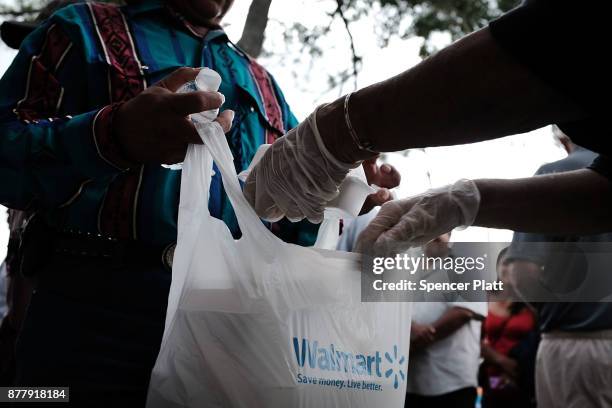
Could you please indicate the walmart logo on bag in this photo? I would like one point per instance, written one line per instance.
(329, 358)
(399, 371)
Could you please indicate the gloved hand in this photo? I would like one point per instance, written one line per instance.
(296, 177)
(414, 221)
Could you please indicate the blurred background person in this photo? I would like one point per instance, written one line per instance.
(444, 345)
(18, 291)
(508, 348)
(574, 359)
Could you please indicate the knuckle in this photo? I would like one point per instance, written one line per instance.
(197, 102)
(211, 99)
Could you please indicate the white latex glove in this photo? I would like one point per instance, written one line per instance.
(296, 177)
(414, 221)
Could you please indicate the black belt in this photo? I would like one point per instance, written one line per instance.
(39, 242)
(117, 251)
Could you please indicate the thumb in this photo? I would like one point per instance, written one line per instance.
(405, 233)
(388, 216)
(177, 78)
(193, 102)
(370, 169)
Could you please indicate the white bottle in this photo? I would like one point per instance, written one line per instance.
(353, 192)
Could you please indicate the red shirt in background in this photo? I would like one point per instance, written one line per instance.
(503, 333)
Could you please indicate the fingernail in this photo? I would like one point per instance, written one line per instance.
(222, 97)
(384, 194)
(385, 168)
(232, 114)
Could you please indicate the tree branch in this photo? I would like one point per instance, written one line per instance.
(355, 58)
(252, 38)
(18, 13)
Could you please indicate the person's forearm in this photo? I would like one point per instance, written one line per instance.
(576, 202)
(450, 322)
(470, 91)
(489, 354)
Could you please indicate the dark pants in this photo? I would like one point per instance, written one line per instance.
(95, 327)
(463, 398)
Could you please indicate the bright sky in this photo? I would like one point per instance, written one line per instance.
(305, 87)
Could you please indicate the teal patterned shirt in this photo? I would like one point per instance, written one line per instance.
(58, 155)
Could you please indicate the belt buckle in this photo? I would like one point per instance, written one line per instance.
(167, 257)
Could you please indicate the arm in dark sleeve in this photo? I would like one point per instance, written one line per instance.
(530, 246)
(562, 42)
(51, 142)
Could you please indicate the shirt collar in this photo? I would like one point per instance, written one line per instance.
(214, 34)
(145, 6)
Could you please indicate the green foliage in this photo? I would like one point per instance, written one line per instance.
(393, 19)
(424, 18)
(22, 9)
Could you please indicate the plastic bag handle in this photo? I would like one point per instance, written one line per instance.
(215, 142)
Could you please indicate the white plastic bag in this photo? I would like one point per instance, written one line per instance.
(257, 322)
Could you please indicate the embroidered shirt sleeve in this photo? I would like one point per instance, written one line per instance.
(48, 152)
